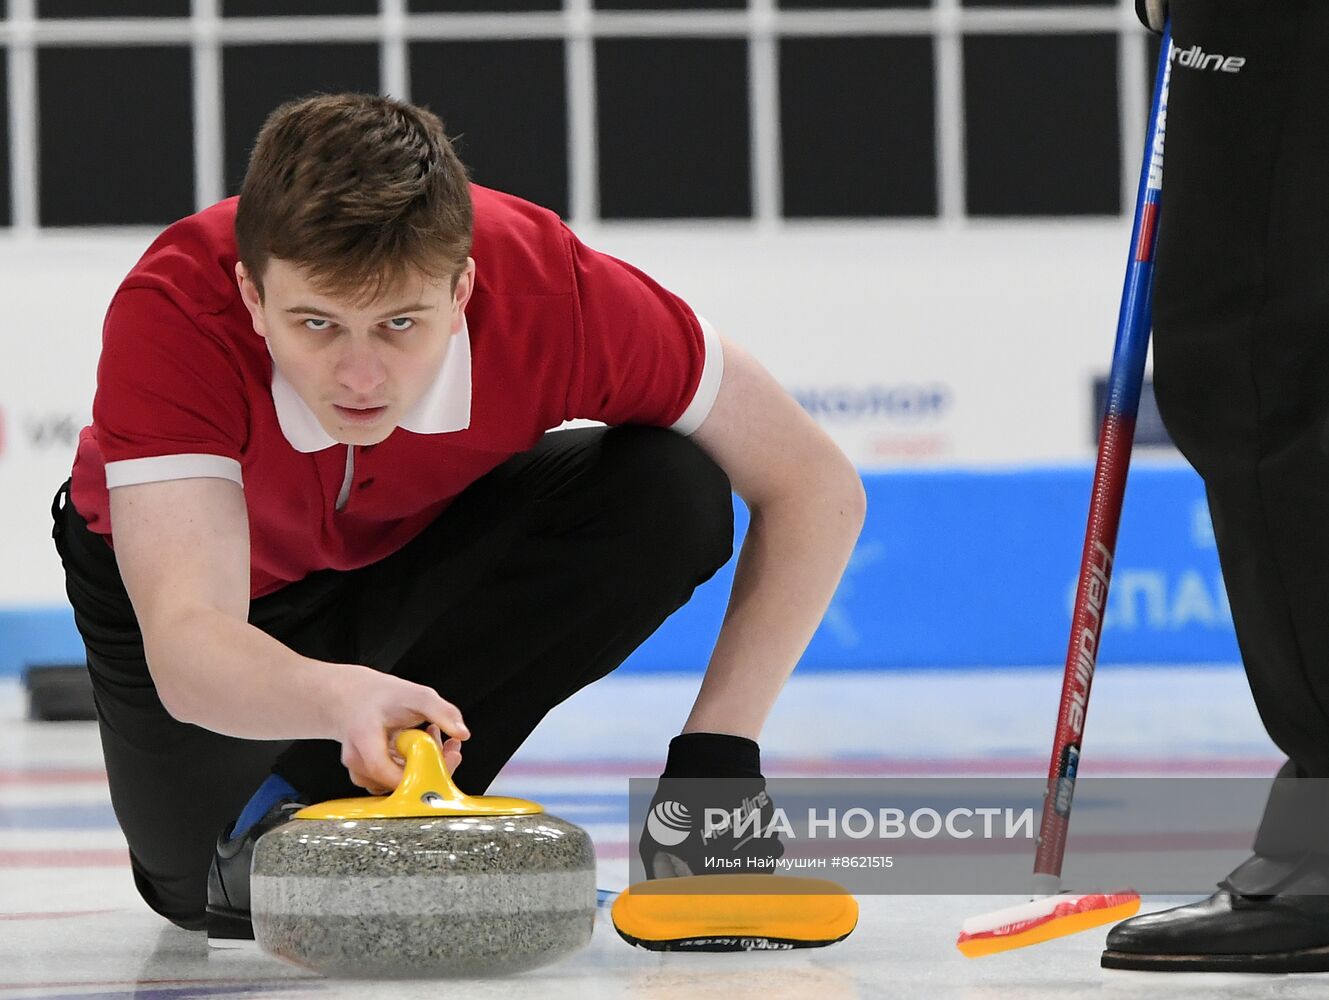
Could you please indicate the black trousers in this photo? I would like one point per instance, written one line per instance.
(1241, 355)
(541, 578)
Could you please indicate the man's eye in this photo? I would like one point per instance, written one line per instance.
(318, 325)
(400, 324)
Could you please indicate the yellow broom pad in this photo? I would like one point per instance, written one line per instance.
(734, 913)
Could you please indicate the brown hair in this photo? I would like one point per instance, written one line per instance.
(356, 190)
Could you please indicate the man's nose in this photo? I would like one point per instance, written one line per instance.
(361, 370)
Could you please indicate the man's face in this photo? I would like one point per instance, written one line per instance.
(359, 367)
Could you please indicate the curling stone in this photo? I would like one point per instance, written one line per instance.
(426, 881)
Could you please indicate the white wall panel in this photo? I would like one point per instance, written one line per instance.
(997, 331)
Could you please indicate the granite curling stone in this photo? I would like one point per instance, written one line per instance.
(425, 882)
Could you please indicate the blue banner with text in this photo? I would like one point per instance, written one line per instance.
(978, 568)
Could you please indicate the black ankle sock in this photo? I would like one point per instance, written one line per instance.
(712, 755)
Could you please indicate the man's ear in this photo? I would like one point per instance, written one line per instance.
(252, 298)
(461, 293)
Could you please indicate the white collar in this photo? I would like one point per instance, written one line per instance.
(445, 406)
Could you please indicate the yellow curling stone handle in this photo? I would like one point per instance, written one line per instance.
(425, 790)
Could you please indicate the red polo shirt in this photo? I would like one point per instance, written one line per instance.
(554, 331)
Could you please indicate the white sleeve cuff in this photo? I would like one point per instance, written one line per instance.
(708, 387)
(161, 468)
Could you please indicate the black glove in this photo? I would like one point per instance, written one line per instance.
(1152, 14)
(706, 772)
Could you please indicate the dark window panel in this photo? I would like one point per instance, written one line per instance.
(505, 103)
(858, 127)
(257, 78)
(6, 209)
(673, 128)
(1041, 125)
(851, 4)
(670, 4)
(116, 135)
(479, 6)
(112, 8)
(278, 8)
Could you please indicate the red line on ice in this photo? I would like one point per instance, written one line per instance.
(115, 857)
(52, 775)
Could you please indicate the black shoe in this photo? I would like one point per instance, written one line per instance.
(228, 879)
(1283, 930)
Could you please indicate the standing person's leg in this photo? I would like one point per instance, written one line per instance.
(604, 534)
(1241, 302)
(1241, 357)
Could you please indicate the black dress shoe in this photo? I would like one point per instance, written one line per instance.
(1234, 931)
(228, 879)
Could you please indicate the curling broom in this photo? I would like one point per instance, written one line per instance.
(1053, 914)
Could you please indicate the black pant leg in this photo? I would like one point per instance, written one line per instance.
(628, 525)
(173, 786)
(1241, 305)
(544, 577)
